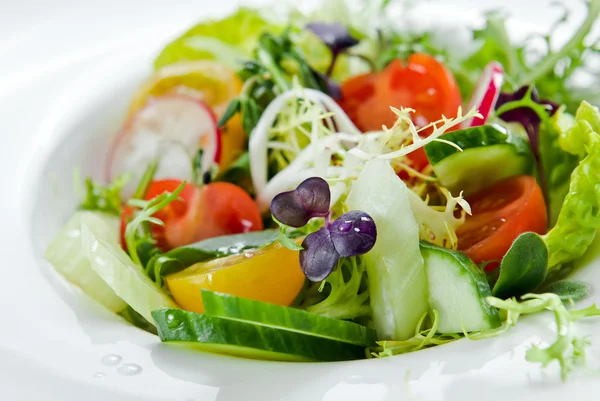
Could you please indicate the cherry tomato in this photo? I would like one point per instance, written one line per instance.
(271, 274)
(500, 214)
(423, 84)
(209, 211)
(216, 209)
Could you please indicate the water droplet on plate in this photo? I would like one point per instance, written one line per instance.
(129, 369)
(111, 360)
(99, 375)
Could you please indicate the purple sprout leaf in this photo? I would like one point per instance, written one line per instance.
(319, 257)
(353, 233)
(334, 35)
(338, 39)
(525, 107)
(310, 199)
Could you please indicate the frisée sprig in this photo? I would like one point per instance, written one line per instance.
(276, 62)
(103, 198)
(138, 229)
(568, 349)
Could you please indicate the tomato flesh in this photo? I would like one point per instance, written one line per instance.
(209, 211)
(499, 215)
(422, 84)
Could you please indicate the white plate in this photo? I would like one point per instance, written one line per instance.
(67, 71)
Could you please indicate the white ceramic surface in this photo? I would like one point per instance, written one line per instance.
(67, 70)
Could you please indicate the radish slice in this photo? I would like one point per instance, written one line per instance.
(486, 93)
(170, 128)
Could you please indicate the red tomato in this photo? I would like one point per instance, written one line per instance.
(500, 214)
(423, 84)
(210, 211)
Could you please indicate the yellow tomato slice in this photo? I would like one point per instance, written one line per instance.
(213, 83)
(271, 274)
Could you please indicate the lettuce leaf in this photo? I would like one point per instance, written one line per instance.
(229, 40)
(395, 270)
(558, 164)
(579, 218)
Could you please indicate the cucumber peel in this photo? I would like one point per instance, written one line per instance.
(490, 153)
(240, 338)
(286, 318)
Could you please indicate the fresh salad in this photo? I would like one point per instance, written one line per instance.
(332, 186)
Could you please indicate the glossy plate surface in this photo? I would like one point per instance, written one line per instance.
(67, 72)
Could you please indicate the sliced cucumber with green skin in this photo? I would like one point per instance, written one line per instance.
(490, 154)
(215, 334)
(457, 290)
(286, 318)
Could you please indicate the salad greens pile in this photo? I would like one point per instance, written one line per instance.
(315, 188)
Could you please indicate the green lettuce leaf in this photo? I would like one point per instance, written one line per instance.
(579, 218)
(558, 164)
(229, 40)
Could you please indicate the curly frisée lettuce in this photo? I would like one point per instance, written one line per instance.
(343, 294)
(579, 218)
(228, 40)
(568, 349)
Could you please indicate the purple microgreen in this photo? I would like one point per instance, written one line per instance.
(310, 199)
(319, 257)
(525, 107)
(336, 37)
(353, 233)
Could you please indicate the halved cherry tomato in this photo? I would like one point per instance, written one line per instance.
(209, 211)
(423, 84)
(271, 274)
(500, 214)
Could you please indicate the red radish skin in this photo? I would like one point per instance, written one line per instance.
(167, 122)
(486, 93)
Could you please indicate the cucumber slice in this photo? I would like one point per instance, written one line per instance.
(490, 154)
(70, 258)
(215, 334)
(286, 318)
(457, 290)
(125, 278)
